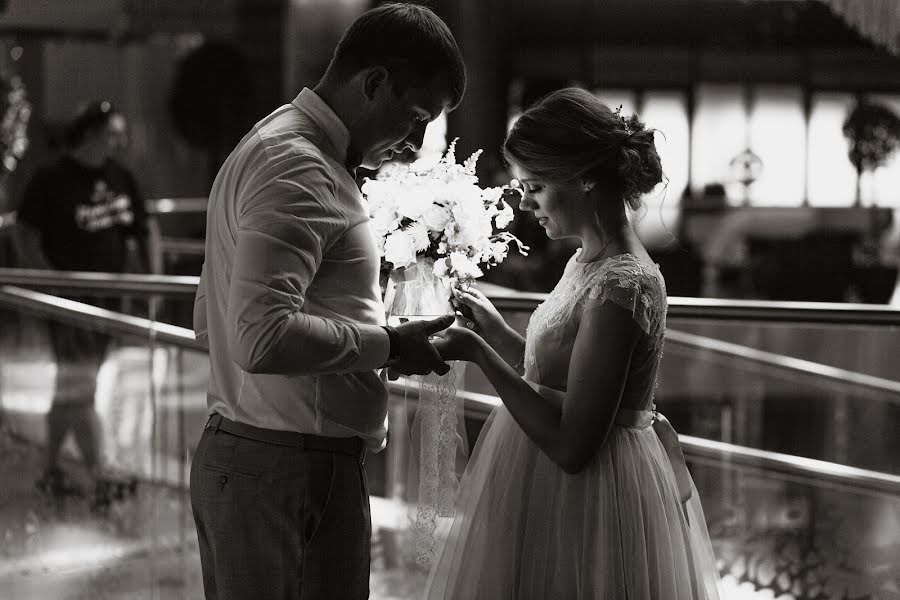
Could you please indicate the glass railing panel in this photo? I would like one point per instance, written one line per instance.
(152, 399)
(794, 407)
(783, 536)
(125, 530)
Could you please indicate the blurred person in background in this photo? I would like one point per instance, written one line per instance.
(82, 212)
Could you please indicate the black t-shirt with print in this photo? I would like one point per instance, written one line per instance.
(84, 214)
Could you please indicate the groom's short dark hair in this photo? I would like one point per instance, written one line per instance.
(412, 42)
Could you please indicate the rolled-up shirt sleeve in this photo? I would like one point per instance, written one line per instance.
(285, 226)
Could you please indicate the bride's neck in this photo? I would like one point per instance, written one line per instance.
(616, 237)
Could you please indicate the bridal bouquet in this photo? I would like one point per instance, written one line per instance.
(433, 214)
(436, 228)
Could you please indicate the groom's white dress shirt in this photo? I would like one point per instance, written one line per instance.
(289, 301)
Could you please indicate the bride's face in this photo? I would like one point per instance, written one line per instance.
(559, 208)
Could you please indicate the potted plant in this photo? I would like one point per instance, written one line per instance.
(873, 135)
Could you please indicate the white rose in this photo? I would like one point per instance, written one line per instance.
(399, 249)
(436, 217)
(384, 221)
(410, 204)
(441, 268)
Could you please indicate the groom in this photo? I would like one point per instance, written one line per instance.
(290, 306)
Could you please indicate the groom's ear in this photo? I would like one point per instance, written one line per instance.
(374, 80)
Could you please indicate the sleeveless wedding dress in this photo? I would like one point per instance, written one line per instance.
(621, 529)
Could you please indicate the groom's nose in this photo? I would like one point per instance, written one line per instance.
(414, 140)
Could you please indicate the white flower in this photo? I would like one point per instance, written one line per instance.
(436, 217)
(411, 204)
(498, 252)
(445, 215)
(504, 217)
(424, 165)
(492, 195)
(384, 221)
(441, 268)
(463, 266)
(418, 233)
(399, 249)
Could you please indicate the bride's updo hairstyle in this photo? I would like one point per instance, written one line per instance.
(570, 135)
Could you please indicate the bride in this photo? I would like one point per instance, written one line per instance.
(577, 487)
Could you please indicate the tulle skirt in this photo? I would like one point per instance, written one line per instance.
(525, 529)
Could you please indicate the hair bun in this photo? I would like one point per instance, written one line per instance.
(640, 168)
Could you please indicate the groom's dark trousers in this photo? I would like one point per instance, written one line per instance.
(280, 514)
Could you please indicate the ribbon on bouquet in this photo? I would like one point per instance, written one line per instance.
(437, 433)
(437, 436)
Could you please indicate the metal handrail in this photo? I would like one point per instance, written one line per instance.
(186, 285)
(164, 206)
(101, 283)
(700, 449)
(679, 307)
(182, 246)
(821, 373)
(768, 311)
(71, 311)
(475, 404)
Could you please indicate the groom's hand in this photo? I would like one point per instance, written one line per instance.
(415, 354)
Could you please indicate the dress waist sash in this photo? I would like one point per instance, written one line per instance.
(641, 419)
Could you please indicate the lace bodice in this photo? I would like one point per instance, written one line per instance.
(627, 281)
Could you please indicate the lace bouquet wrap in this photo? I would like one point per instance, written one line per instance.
(435, 226)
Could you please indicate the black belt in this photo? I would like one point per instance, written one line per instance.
(352, 446)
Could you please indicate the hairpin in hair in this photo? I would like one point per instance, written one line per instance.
(618, 113)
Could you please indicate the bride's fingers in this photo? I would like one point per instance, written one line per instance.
(467, 299)
(476, 293)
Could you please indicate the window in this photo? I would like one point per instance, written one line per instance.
(720, 134)
(832, 179)
(777, 134)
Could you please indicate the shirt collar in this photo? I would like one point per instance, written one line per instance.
(336, 134)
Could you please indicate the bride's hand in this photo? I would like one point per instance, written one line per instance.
(480, 315)
(458, 343)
